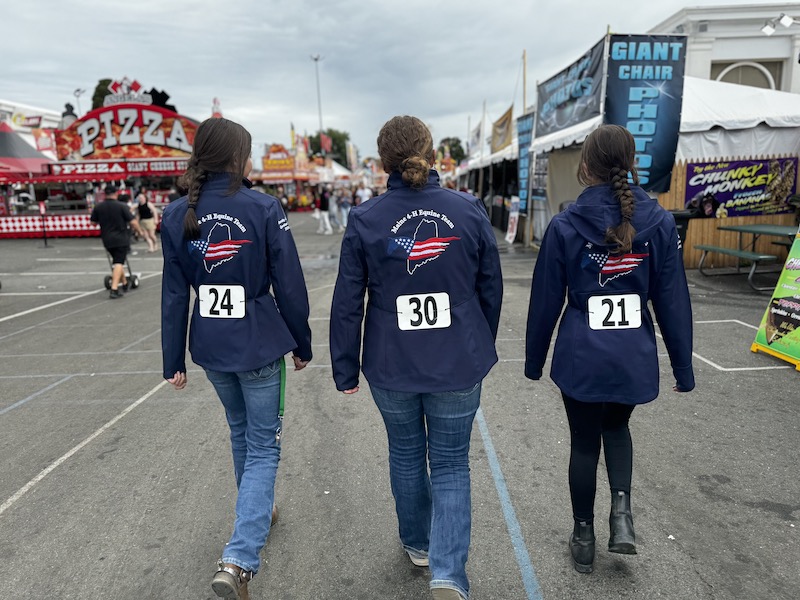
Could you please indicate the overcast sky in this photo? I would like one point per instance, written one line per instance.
(435, 60)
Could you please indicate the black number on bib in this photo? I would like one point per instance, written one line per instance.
(424, 311)
(416, 304)
(222, 301)
(431, 311)
(623, 311)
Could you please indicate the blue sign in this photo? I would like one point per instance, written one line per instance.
(644, 93)
(524, 137)
(573, 95)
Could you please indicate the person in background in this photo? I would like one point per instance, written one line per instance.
(363, 193)
(345, 201)
(231, 245)
(115, 220)
(325, 198)
(435, 292)
(280, 194)
(610, 253)
(147, 213)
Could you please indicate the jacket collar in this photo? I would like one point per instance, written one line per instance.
(220, 181)
(396, 180)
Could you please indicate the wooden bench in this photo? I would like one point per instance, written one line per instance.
(755, 258)
(784, 243)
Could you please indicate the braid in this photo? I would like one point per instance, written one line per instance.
(193, 179)
(622, 235)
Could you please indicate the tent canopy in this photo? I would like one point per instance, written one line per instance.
(16, 155)
(769, 117)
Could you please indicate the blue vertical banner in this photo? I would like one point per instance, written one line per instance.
(524, 137)
(644, 93)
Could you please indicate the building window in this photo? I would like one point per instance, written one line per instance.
(765, 74)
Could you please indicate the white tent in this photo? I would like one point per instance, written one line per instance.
(718, 120)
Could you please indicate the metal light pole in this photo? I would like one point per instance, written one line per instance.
(316, 58)
(78, 93)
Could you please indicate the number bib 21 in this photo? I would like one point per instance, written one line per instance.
(423, 311)
(615, 312)
(221, 301)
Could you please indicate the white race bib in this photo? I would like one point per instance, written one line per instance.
(221, 301)
(423, 311)
(615, 312)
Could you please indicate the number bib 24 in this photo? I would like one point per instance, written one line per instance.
(221, 301)
(623, 311)
(423, 311)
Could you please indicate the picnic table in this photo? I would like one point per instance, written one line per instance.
(747, 253)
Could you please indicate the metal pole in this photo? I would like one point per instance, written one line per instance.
(316, 58)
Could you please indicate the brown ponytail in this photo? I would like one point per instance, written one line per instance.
(405, 145)
(608, 156)
(220, 146)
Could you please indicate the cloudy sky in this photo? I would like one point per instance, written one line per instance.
(438, 60)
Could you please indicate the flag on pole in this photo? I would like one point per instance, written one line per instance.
(502, 131)
(325, 143)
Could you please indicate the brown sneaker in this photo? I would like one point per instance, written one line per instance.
(230, 582)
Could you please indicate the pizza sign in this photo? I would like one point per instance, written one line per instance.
(126, 131)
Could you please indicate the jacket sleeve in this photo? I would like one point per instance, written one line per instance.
(174, 307)
(288, 282)
(669, 294)
(347, 310)
(489, 283)
(548, 289)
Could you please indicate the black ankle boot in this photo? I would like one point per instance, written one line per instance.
(581, 546)
(623, 538)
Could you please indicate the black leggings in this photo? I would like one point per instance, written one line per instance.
(589, 422)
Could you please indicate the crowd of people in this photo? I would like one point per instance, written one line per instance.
(423, 258)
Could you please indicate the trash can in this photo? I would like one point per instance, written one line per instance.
(682, 218)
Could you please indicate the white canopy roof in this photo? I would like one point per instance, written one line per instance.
(711, 104)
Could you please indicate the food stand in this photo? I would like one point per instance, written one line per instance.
(129, 140)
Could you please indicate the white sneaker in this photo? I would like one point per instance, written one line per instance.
(417, 560)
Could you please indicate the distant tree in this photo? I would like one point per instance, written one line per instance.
(456, 150)
(338, 145)
(100, 92)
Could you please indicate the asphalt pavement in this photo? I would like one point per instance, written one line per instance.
(115, 486)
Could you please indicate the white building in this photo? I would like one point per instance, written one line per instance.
(747, 44)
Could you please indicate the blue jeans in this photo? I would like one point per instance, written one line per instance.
(433, 511)
(251, 400)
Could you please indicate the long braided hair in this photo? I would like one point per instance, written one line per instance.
(220, 146)
(608, 156)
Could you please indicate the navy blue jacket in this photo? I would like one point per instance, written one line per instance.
(245, 247)
(606, 346)
(429, 260)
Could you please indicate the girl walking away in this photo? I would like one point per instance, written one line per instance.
(429, 260)
(231, 245)
(609, 253)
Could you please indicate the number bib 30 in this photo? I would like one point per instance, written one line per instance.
(222, 301)
(623, 311)
(423, 311)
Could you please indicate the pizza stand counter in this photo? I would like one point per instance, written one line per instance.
(62, 199)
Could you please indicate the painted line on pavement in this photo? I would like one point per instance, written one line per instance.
(35, 394)
(56, 303)
(58, 462)
(52, 354)
(149, 335)
(732, 369)
(532, 588)
(729, 321)
(64, 273)
(4, 294)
